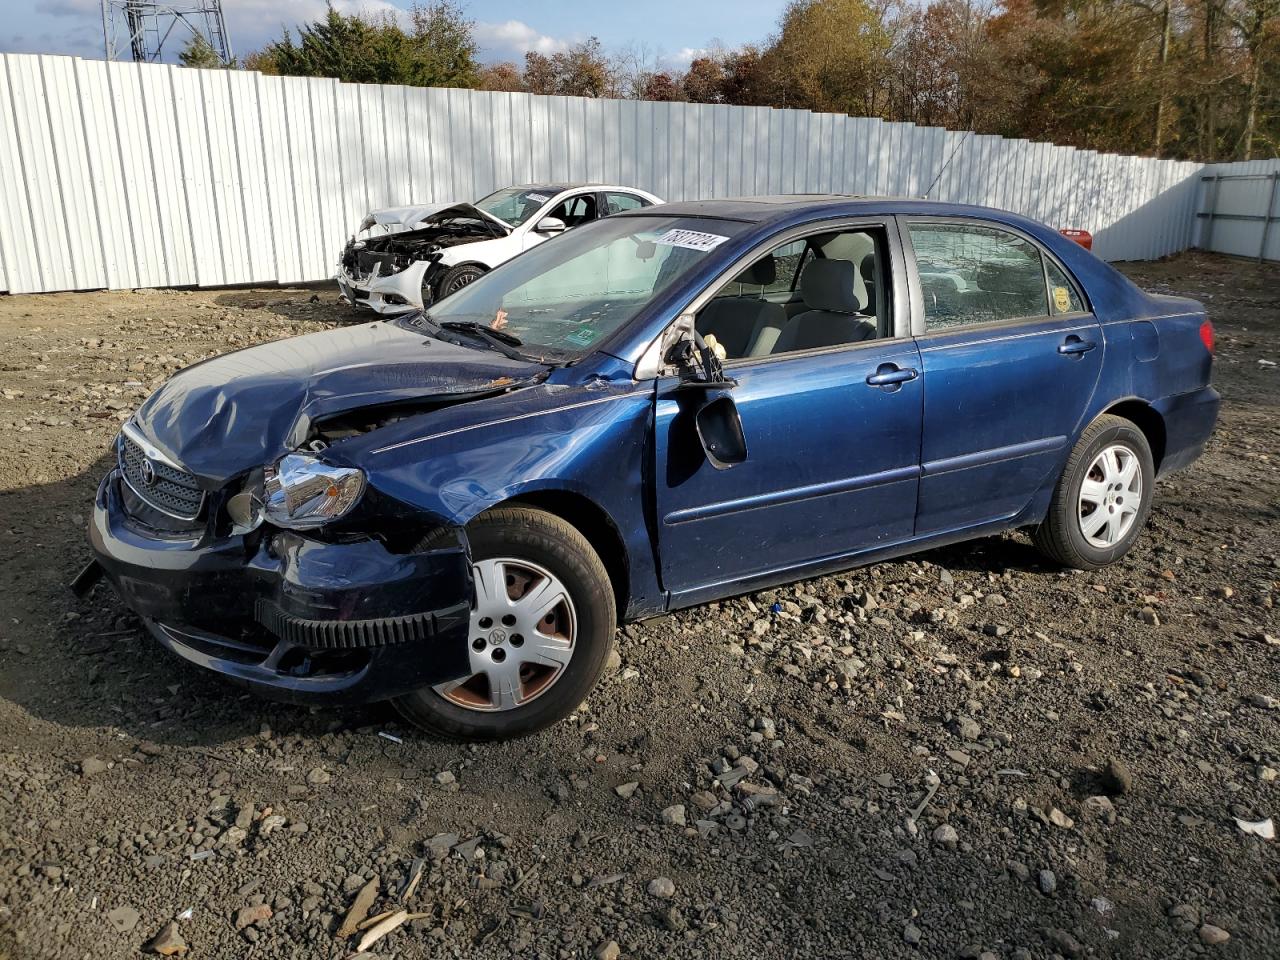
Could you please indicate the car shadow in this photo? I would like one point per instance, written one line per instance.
(89, 662)
(994, 554)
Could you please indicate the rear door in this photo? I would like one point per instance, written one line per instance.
(1010, 355)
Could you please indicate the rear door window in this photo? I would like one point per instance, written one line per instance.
(622, 202)
(972, 273)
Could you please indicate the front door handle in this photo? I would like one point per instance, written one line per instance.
(890, 375)
(1073, 346)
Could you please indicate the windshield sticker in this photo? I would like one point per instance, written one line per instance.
(691, 240)
(539, 197)
(1062, 299)
(581, 337)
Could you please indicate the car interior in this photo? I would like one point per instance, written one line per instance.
(823, 291)
(576, 210)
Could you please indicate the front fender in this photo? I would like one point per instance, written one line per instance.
(589, 441)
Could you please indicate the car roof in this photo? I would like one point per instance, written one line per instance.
(764, 209)
(554, 188)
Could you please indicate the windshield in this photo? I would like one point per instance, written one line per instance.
(514, 205)
(569, 293)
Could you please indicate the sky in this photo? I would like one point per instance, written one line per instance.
(671, 31)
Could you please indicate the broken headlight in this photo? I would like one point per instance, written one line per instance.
(303, 492)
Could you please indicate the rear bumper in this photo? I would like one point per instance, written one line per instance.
(291, 617)
(1189, 419)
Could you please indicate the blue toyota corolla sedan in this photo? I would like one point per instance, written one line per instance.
(453, 510)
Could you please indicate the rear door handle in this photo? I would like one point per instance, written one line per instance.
(890, 374)
(1074, 346)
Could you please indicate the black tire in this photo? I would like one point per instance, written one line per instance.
(546, 540)
(458, 277)
(1060, 537)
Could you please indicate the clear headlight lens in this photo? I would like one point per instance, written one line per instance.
(303, 492)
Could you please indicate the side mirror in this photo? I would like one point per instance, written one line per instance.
(720, 431)
(550, 226)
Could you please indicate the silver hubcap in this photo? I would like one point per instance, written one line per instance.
(1110, 496)
(522, 631)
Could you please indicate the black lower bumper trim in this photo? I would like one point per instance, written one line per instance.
(86, 578)
(357, 634)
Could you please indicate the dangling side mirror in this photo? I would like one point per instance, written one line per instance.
(720, 431)
(718, 423)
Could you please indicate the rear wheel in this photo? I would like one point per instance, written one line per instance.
(541, 629)
(1102, 499)
(459, 277)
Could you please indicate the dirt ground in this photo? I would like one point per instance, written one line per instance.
(1075, 748)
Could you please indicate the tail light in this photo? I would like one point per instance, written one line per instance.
(1206, 335)
(1082, 237)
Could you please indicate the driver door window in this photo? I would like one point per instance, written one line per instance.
(576, 210)
(822, 291)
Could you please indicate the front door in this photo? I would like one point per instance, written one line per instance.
(1010, 357)
(831, 406)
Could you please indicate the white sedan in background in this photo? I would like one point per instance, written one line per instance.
(403, 258)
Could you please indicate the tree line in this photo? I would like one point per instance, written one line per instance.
(1191, 79)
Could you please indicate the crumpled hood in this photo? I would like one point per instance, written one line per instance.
(417, 216)
(241, 410)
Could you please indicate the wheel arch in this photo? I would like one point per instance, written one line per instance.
(593, 522)
(1147, 419)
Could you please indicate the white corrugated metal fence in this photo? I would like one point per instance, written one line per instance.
(125, 175)
(1239, 209)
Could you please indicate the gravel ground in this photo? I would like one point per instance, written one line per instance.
(966, 754)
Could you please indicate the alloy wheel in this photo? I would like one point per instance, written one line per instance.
(523, 628)
(1110, 496)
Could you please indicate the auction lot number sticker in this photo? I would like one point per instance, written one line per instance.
(691, 240)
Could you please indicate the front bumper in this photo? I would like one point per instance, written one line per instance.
(291, 617)
(390, 295)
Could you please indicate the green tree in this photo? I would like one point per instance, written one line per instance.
(438, 50)
(197, 52)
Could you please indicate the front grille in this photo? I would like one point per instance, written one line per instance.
(170, 490)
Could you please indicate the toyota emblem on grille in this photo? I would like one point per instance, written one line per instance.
(148, 473)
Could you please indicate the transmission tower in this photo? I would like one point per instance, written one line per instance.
(149, 25)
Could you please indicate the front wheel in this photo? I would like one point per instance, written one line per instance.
(1102, 499)
(459, 277)
(541, 630)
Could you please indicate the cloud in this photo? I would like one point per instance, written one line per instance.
(685, 56)
(75, 26)
(512, 39)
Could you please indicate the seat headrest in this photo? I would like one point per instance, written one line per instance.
(759, 274)
(829, 285)
(868, 267)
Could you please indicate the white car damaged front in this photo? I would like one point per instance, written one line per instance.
(403, 258)
(397, 259)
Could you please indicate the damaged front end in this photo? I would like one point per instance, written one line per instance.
(352, 619)
(396, 272)
(247, 547)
